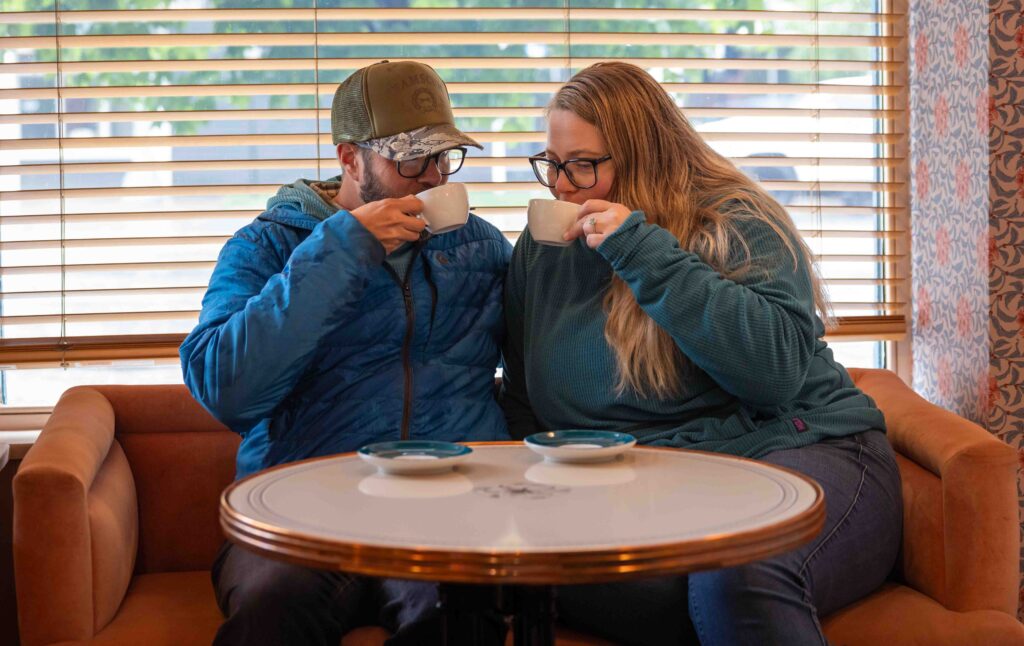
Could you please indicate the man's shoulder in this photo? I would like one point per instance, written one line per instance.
(478, 232)
(288, 214)
(276, 223)
(271, 231)
(479, 228)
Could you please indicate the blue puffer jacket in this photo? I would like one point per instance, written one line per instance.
(308, 344)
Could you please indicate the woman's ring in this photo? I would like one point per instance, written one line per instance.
(593, 224)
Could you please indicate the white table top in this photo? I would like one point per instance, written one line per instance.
(508, 514)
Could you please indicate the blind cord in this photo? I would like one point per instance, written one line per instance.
(316, 90)
(63, 343)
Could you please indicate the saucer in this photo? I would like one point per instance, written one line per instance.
(409, 457)
(579, 446)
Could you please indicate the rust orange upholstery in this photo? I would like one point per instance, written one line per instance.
(115, 525)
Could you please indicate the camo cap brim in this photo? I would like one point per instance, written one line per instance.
(421, 142)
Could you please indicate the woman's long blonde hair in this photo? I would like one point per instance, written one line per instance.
(664, 168)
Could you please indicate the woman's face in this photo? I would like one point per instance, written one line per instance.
(570, 137)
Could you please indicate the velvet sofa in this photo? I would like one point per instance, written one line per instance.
(115, 526)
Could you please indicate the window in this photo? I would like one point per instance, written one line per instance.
(137, 135)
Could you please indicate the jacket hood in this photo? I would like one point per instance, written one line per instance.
(303, 203)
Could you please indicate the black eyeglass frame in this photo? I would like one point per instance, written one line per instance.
(436, 158)
(560, 167)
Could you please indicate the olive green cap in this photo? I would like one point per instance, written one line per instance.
(401, 110)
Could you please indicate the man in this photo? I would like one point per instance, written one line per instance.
(334, 320)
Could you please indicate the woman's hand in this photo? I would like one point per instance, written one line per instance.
(597, 220)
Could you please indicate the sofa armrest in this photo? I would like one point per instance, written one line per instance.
(75, 523)
(980, 535)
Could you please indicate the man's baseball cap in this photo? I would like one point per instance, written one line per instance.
(400, 110)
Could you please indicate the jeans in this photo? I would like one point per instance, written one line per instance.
(778, 600)
(268, 602)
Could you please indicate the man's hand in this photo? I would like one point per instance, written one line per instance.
(392, 220)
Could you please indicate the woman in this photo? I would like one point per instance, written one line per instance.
(685, 314)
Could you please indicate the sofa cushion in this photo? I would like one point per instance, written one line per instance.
(182, 458)
(896, 614)
(113, 534)
(179, 478)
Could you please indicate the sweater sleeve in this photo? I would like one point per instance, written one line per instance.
(515, 400)
(261, 322)
(754, 337)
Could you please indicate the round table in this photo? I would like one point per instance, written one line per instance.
(508, 517)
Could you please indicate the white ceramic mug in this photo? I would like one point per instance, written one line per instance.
(445, 207)
(548, 220)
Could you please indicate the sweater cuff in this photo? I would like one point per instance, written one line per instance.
(619, 248)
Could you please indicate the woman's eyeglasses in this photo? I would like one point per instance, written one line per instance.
(582, 172)
(447, 162)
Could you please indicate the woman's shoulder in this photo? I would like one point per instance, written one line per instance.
(759, 235)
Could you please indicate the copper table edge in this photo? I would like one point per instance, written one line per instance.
(549, 567)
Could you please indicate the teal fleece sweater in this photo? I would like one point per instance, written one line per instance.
(760, 377)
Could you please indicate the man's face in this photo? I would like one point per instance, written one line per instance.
(381, 179)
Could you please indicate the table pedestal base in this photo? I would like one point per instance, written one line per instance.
(471, 613)
(533, 609)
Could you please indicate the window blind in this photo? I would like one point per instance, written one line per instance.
(137, 135)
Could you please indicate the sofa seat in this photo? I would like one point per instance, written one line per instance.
(164, 609)
(178, 609)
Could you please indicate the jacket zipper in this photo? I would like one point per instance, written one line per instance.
(406, 351)
(410, 320)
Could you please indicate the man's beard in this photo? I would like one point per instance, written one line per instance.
(372, 189)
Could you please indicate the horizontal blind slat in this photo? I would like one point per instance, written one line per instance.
(35, 351)
(199, 290)
(15, 269)
(183, 290)
(454, 88)
(92, 317)
(466, 62)
(406, 38)
(282, 113)
(268, 189)
(32, 269)
(470, 162)
(83, 143)
(69, 242)
(824, 210)
(431, 13)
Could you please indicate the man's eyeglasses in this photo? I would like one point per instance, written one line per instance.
(582, 172)
(447, 162)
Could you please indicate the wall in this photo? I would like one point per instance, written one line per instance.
(967, 140)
